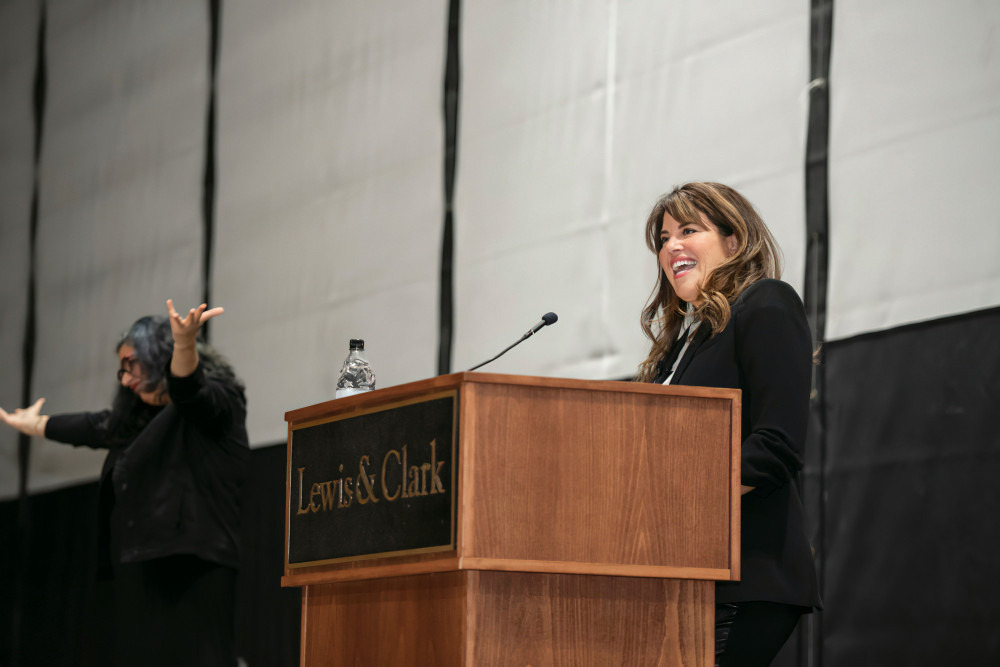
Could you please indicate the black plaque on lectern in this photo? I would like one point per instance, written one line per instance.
(375, 483)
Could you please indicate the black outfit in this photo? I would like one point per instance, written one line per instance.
(765, 350)
(748, 634)
(169, 520)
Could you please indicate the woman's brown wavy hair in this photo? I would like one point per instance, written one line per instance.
(756, 256)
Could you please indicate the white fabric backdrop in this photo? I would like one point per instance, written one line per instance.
(330, 195)
(18, 37)
(914, 162)
(575, 116)
(121, 179)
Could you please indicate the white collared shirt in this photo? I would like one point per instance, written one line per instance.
(687, 327)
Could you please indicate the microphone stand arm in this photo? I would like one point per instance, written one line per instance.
(504, 351)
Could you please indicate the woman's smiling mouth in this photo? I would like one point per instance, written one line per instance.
(682, 265)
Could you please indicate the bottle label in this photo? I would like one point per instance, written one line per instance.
(350, 391)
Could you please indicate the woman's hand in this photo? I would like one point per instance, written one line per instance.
(185, 332)
(29, 421)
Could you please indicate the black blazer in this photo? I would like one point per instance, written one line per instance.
(176, 488)
(765, 351)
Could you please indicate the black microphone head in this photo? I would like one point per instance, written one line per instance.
(549, 318)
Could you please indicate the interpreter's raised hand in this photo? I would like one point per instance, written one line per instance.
(185, 330)
(29, 421)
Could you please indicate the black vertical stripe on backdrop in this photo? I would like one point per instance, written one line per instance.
(817, 167)
(208, 185)
(446, 313)
(28, 357)
(810, 635)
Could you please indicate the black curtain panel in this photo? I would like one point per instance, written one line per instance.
(913, 457)
(65, 611)
(267, 615)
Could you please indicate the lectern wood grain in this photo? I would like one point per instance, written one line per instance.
(500, 618)
(586, 477)
(398, 621)
(592, 521)
(569, 620)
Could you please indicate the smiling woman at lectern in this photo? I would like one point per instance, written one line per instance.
(719, 317)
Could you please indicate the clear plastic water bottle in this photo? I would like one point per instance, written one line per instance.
(356, 375)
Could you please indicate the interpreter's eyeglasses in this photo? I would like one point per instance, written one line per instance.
(130, 365)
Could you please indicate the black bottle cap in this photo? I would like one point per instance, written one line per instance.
(358, 344)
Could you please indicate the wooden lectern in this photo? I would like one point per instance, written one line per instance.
(568, 522)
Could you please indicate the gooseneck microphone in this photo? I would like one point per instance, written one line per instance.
(547, 319)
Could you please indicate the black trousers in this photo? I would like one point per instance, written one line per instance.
(177, 610)
(750, 634)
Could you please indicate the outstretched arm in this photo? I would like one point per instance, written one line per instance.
(29, 421)
(185, 332)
